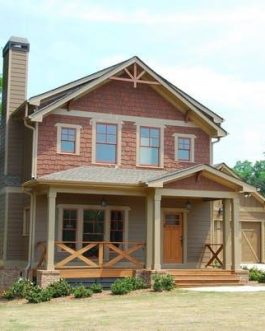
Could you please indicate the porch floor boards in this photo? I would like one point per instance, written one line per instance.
(204, 277)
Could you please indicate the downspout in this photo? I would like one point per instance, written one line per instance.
(31, 194)
(211, 152)
(31, 232)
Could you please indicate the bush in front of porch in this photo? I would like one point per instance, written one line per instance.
(126, 285)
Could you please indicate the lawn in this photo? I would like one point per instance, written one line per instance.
(176, 310)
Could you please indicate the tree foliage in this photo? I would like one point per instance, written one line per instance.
(252, 173)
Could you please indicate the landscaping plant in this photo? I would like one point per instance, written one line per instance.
(82, 292)
(126, 285)
(96, 288)
(61, 288)
(37, 294)
(18, 289)
(163, 283)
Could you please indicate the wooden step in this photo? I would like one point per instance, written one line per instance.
(207, 277)
(188, 285)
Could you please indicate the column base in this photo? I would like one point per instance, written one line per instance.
(47, 277)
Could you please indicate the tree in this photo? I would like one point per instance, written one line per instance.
(252, 173)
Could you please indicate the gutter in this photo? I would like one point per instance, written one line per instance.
(34, 142)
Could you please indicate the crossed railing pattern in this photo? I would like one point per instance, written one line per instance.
(103, 254)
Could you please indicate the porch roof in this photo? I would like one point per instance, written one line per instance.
(95, 175)
(104, 175)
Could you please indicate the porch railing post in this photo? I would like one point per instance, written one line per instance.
(157, 232)
(149, 231)
(236, 250)
(227, 234)
(51, 229)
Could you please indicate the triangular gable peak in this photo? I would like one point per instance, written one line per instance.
(136, 72)
(202, 177)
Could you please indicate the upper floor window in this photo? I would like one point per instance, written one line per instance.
(68, 138)
(184, 148)
(149, 146)
(106, 143)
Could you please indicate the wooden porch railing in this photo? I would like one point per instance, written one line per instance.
(102, 254)
(215, 250)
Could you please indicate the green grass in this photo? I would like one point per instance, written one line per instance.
(177, 310)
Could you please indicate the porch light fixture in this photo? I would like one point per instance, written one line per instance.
(220, 211)
(247, 194)
(188, 205)
(103, 202)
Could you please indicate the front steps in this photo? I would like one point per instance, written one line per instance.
(206, 277)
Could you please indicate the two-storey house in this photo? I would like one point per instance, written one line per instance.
(110, 175)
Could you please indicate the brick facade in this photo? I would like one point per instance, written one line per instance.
(8, 276)
(116, 98)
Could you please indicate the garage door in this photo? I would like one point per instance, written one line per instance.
(250, 242)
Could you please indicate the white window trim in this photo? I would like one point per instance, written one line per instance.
(77, 141)
(94, 123)
(161, 149)
(192, 138)
(80, 217)
(24, 230)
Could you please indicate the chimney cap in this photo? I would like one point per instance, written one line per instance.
(17, 43)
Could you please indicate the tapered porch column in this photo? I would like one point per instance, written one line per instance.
(226, 234)
(149, 231)
(236, 250)
(51, 229)
(157, 232)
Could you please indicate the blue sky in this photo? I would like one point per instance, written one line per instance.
(214, 50)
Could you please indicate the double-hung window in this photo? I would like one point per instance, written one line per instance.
(184, 147)
(106, 143)
(68, 138)
(149, 153)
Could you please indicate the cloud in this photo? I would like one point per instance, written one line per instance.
(241, 103)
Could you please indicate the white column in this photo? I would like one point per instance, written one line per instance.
(157, 232)
(227, 234)
(149, 231)
(51, 229)
(236, 245)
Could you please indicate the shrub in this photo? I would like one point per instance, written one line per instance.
(256, 275)
(37, 294)
(18, 289)
(82, 292)
(96, 288)
(163, 283)
(121, 286)
(137, 283)
(128, 284)
(60, 288)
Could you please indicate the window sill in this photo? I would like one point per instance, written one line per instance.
(74, 154)
(112, 165)
(149, 167)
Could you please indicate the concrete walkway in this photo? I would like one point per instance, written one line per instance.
(244, 288)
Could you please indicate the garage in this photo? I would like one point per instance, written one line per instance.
(250, 242)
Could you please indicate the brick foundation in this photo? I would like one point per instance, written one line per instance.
(8, 276)
(47, 277)
(145, 275)
(243, 275)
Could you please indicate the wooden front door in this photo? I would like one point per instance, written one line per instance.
(173, 237)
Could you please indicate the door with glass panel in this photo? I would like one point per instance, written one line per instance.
(93, 228)
(173, 237)
(69, 227)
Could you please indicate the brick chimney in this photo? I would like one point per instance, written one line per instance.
(15, 75)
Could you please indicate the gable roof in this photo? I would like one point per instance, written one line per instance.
(226, 169)
(205, 169)
(53, 99)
